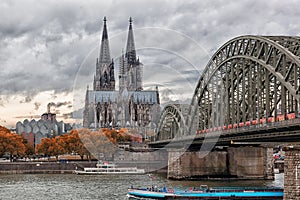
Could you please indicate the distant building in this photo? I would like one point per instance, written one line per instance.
(46, 127)
(131, 106)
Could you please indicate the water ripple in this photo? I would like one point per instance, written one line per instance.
(75, 187)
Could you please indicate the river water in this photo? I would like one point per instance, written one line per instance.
(71, 186)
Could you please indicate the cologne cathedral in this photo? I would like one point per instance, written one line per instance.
(130, 106)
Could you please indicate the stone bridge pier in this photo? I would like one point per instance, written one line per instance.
(230, 162)
(292, 173)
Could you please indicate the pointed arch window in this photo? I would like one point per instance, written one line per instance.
(105, 78)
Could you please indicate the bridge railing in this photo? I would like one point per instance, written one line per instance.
(266, 125)
(258, 127)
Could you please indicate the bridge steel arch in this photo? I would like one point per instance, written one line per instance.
(249, 78)
(172, 122)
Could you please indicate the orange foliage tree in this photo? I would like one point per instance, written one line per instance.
(83, 142)
(11, 143)
(96, 142)
(73, 144)
(102, 141)
(51, 147)
(116, 136)
(67, 143)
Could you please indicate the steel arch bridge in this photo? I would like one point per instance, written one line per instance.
(250, 80)
(172, 121)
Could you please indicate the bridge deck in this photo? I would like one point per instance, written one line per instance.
(279, 132)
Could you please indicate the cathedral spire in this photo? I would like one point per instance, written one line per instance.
(104, 78)
(104, 33)
(104, 57)
(130, 48)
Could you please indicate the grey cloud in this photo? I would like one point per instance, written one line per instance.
(27, 99)
(164, 95)
(76, 114)
(37, 105)
(59, 104)
(67, 115)
(50, 45)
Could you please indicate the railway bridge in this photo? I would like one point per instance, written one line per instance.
(247, 96)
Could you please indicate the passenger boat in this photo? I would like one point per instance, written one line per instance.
(206, 193)
(108, 168)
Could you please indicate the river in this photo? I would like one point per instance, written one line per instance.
(76, 187)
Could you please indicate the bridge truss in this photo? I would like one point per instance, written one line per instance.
(249, 80)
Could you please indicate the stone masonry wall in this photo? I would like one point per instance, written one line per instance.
(246, 162)
(292, 173)
(174, 165)
(269, 164)
(233, 162)
(149, 161)
(191, 165)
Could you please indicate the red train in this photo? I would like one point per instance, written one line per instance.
(249, 123)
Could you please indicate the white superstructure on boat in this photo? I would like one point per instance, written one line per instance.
(109, 168)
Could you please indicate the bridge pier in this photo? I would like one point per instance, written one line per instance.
(251, 162)
(192, 165)
(231, 162)
(292, 173)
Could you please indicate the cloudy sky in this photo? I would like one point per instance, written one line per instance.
(48, 48)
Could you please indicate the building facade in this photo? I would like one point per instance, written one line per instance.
(46, 127)
(130, 105)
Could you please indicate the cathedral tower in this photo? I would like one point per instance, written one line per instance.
(133, 65)
(104, 78)
(131, 106)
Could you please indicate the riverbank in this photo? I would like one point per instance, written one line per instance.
(68, 167)
(43, 167)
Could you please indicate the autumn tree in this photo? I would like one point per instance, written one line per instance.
(11, 143)
(51, 147)
(84, 142)
(29, 148)
(97, 142)
(67, 143)
(73, 144)
(116, 136)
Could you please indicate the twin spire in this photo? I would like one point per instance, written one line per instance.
(130, 53)
(130, 48)
(104, 57)
(130, 69)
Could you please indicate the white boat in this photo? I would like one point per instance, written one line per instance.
(109, 168)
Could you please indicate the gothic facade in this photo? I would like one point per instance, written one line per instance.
(130, 106)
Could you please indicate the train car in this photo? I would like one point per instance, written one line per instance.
(291, 116)
(280, 118)
(254, 122)
(271, 119)
(262, 121)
